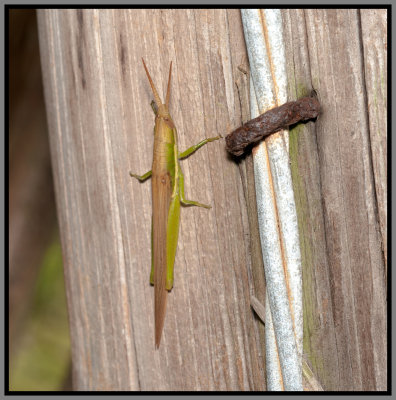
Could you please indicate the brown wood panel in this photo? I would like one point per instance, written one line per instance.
(101, 124)
(344, 281)
(375, 40)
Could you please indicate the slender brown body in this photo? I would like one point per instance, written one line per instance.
(164, 194)
(167, 194)
(162, 188)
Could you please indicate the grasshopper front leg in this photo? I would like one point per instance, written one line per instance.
(194, 148)
(143, 177)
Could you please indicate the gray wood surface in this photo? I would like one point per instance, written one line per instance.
(98, 103)
(344, 277)
(101, 124)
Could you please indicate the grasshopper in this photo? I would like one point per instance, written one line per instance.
(167, 193)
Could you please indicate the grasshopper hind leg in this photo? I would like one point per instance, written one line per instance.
(183, 199)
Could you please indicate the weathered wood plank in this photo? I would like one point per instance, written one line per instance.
(375, 40)
(344, 283)
(101, 126)
(100, 120)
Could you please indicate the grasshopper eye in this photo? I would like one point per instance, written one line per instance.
(169, 122)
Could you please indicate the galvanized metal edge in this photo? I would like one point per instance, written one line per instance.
(275, 203)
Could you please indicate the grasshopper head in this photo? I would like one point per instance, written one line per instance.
(163, 110)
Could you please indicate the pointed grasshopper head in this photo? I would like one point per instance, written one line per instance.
(163, 108)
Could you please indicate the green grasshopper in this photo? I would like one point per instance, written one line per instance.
(167, 193)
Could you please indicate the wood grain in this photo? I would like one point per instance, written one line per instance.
(101, 125)
(374, 39)
(344, 282)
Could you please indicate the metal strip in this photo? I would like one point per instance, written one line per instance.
(275, 203)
